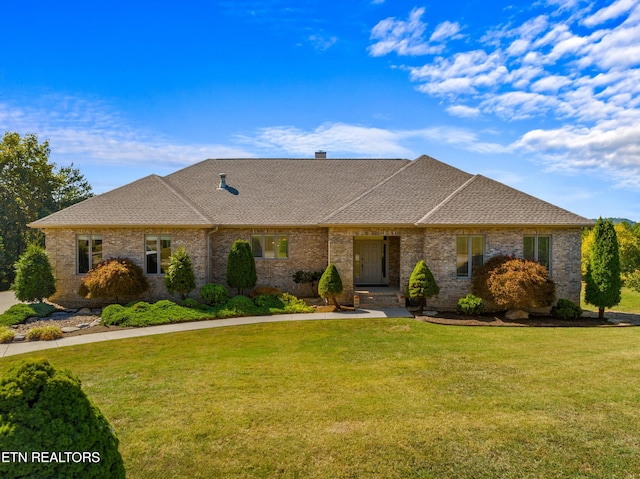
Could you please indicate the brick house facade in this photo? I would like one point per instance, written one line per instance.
(369, 225)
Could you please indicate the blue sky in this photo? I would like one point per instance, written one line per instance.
(543, 96)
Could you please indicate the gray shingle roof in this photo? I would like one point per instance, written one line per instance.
(307, 192)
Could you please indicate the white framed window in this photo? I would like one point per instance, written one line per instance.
(157, 253)
(469, 254)
(88, 252)
(538, 248)
(270, 246)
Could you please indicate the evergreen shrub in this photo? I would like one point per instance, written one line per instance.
(566, 309)
(214, 294)
(180, 277)
(603, 282)
(470, 304)
(422, 284)
(44, 410)
(34, 279)
(18, 313)
(330, 285)
(241, 267)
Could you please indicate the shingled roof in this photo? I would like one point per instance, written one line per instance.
(313, 192)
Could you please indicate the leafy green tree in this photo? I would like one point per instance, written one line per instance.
(603, 281)
(330, 285)
(180, 277)
(30, 188)
(422, 284)
(241, 267)
(34, 279)
(629, 246)
(43, 410)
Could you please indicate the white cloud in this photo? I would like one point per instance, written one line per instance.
(573, 69)
(406, 38)
(89, 132)
(463, 111)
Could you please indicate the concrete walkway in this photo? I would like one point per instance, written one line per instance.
(11, 349)
(7, 299)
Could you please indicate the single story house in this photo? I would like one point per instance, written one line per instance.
(373, 218)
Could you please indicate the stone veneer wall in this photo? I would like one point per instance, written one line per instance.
(120, 242)
(307, 252)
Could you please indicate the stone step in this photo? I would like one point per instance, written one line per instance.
(380, 300)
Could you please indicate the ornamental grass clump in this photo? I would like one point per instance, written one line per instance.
(114, 278)
(43, 411)
(44, 333)
(6, 335)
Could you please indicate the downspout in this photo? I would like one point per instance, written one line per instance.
(209, 253)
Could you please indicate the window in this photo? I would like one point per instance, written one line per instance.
(89, 252)
(157, 251)
(270, 246)
(470, 254)
(538, 248)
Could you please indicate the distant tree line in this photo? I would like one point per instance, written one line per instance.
(31, 187)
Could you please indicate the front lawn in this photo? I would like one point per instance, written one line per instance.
(369, 398)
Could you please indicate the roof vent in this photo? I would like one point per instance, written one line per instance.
(223, 181)
(321, 155)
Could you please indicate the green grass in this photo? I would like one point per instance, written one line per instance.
(384, 398)
(630, 302)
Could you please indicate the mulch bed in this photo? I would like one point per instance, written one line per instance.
(487, 319)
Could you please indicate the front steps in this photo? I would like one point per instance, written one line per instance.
(377, 297)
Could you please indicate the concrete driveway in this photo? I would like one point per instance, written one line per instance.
(7, 299)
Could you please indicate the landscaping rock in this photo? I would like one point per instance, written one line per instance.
(60, 315)
(70, 329)
(84, 312)
(19, 337)
(84, 325)
(95, 322)
(32, 319)
(516, 314)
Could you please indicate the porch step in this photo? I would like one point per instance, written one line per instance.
(374, 300)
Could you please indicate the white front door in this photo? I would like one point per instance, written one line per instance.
(371, 258)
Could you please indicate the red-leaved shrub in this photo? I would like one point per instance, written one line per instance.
(521, 284)
(114, 278)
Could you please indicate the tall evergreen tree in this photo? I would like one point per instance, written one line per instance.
(422, 284)
(241, 267)
(603, 282)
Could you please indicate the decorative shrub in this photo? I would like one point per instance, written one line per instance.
(470, 304)
(241, 304)
(114, 278)
(6, 335)
(241, 267)
(480, 279)
(268, 301)
(422, 284)
(145, 314)
(44, 333)
(190, 303)
(311, 277)
(566, 309)
(18, 313)
(214, 294)
(330, 285)
(521, 284)
(294, 305)
(43, 409)
(260, 290)
(180, 277)
(34, 279)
